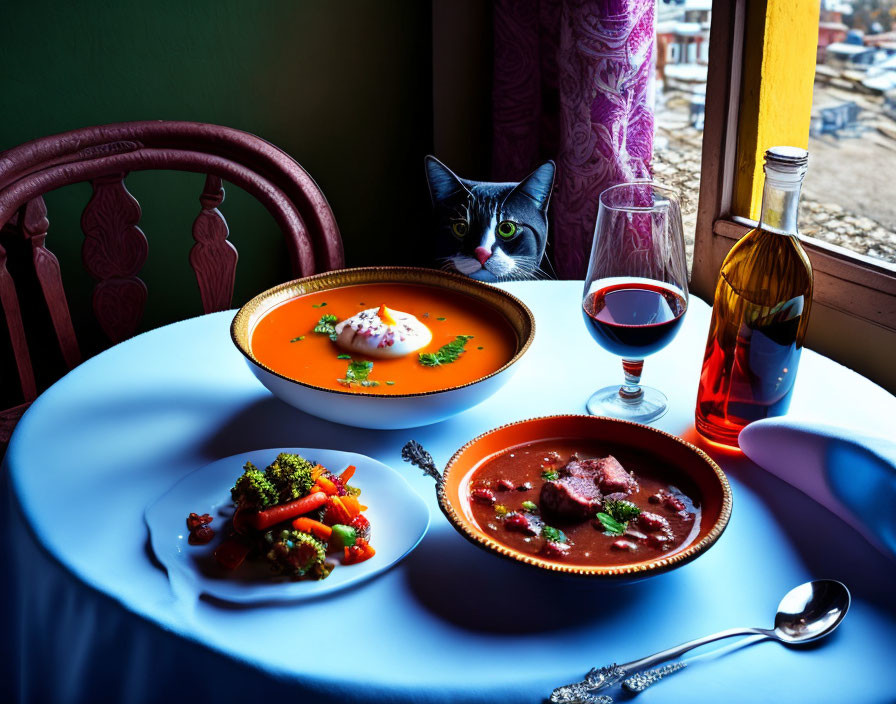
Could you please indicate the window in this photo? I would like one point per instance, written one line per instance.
(760, 93)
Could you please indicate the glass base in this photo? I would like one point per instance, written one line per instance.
(650, 405)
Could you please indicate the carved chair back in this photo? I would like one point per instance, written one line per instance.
(115, 248)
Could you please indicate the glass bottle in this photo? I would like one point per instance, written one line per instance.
(760, 311)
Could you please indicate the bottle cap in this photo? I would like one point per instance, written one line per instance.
(786, 161)
(787, 156)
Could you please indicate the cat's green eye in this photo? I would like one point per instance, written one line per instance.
(507, 229)
(459, 228)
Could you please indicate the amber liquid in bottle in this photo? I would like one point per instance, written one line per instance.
(759, 318)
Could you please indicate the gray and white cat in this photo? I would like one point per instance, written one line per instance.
(490, 231)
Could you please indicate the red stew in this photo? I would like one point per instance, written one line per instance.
(581, 502)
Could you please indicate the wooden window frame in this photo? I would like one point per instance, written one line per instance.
(853, 317)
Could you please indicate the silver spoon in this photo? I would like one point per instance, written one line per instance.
(806, 613)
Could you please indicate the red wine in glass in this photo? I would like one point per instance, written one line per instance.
(636, 291)
(634, 319)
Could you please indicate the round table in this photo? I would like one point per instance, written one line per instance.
(90, 615)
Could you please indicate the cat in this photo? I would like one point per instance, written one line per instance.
(490, 231)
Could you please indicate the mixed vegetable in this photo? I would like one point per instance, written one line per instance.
(292, 514)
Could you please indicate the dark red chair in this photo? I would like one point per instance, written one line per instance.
(115, 248)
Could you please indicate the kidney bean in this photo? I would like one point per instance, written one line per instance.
(659, 540)
(552, 549)
(623, 545)
(518, 523)
(483, 496)
(505, 485)
(651, 521)
(672, 503)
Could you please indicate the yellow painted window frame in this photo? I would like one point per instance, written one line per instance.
(759, 94)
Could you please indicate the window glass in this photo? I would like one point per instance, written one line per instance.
(682, 52)
(849, 195)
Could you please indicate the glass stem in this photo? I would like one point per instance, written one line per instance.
(631, 390)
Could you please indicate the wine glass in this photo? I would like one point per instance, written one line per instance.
(636, 290)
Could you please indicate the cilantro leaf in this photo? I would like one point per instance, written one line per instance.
(529, 506)
(549, 475)
(343, 356)
(446, 353)
(555, 535)
(357, 373)
(621, 511)
(611, 524)
(325, 325)
(319, 305)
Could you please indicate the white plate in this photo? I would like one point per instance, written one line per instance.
(398, 518)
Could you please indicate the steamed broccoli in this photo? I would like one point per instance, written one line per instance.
(253, 489)
(290, 476)
(297, 554)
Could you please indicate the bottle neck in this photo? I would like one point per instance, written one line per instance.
(780, 204)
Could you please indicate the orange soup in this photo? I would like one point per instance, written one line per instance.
(284, 339)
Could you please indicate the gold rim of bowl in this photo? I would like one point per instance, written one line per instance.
(462, 524)
(517, 314)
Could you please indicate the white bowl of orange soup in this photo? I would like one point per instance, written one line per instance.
(479, 333)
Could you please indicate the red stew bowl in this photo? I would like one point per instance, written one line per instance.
(678, 456)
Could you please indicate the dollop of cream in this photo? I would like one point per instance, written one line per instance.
(382, 332)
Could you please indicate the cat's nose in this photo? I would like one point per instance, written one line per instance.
(483, 254)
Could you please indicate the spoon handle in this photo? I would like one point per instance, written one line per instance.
(636, 666)
(414, 453)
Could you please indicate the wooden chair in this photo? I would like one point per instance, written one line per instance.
(115, 248)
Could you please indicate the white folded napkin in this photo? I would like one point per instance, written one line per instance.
(848, 472)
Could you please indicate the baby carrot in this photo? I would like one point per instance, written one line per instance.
(316, 528)
(347, 473)
(327, 486)
(352, 505)
(283, 512)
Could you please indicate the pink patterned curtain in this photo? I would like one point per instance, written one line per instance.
(573, 82)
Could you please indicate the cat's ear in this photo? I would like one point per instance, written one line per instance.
(443, 182)
(537, 185)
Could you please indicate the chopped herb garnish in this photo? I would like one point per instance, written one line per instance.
(529, 506)
(549, 475)
(441, 318)
(446, 354)
(480, 348)
(297, 339)
(319, 305)
(343, 356)
(501, 510)
(325, 325)
(611, 524)
(616, 515)
(621, 511)
(390, 383)
(358, 373)
(555, 535)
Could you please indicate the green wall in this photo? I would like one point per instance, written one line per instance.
(345, 87)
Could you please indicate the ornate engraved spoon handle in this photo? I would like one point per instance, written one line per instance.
(643, 680)
(636, 666)
(414, 453)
